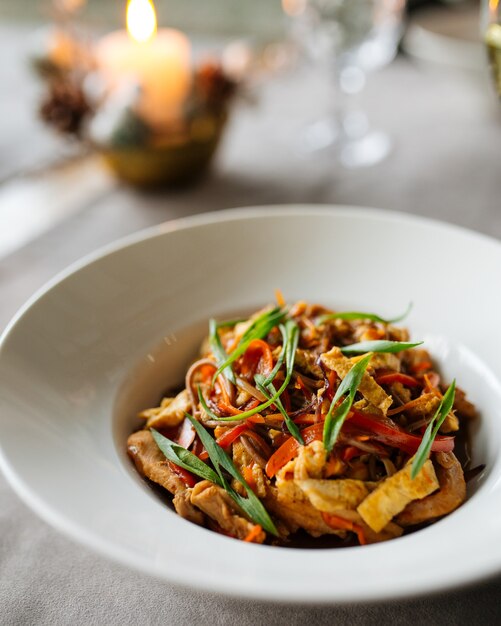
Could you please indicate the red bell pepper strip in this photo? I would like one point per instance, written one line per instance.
(397, 377)
(253, 533)
(187, 477)
(340, 523)
(227, 438)
(390, 434)
(290, 448)
(257, 356)
(186, 434)
(421, 366)
(350, 452)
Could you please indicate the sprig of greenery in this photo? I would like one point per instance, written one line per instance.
(184, 458)
(285, 340)
(258, 329)
(337, 414)
(217, 349)
(268, 391)
(380, 345)
(359, 315)
(228, 323)
(187, 460)
(431, 431)
(251, 505)
(292, 331)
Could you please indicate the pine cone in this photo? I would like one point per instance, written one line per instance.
(213, 86)
(65, 107)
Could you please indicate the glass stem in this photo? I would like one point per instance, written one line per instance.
(349, 81)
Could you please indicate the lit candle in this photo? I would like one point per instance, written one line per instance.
(158, 60)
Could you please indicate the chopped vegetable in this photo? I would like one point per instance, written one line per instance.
(431, 432)
(389, 433)
(251, 505)
(258, 329)
(379, 345)
(289, 423)
(337, 413)
(357, 315)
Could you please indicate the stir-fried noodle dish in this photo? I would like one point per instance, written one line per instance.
(303, 426)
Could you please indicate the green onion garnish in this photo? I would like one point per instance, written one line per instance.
(184, 458)
(336, 415)
(259, 328)
(285, 340)
(378, 346)
(292, 333)
(228, 323)
(218, 350)
(251, 505)
(359, 315)
(442, 412)
(268, 391)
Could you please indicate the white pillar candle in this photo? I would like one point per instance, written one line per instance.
(159, 62)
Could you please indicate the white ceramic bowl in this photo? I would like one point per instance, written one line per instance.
(106, 338)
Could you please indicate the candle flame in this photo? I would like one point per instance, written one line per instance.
(141, 20)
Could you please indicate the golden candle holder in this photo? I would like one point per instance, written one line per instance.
(153, 117)
(178, 160)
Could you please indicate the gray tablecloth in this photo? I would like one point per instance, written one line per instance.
(445, 164)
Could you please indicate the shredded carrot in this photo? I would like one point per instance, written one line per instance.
(252, 404)
(222, 388)
(307, 418)
(287, 451)
(396, 377)
(290, 448)
(332, 377)
(249, 477)
(228, 408)
(340, 523)
(433, 386)
(264, 363)
(331, 383)
(404, 407)
(256, 418)
(206, 372)
(187, 477)
(300, 385)
(254, 533)
(335, 466)
(373, 333)
(227, 438)
(350, 453)
(422, 365)
(279, 297)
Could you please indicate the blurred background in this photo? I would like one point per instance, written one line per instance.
(221, 17)
(371, 102)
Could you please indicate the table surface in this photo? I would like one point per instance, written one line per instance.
(445, 164)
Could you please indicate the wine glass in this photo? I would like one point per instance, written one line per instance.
(491, 27)
(347, 38)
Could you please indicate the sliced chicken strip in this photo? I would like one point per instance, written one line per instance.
(452, 493)
(218, 505)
